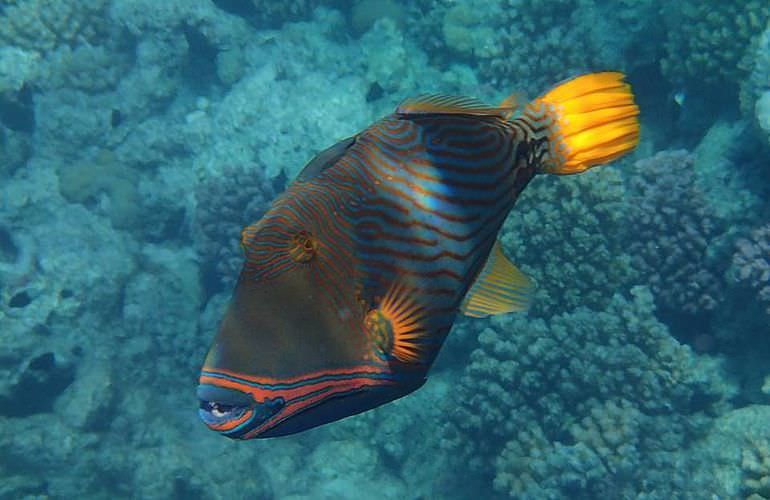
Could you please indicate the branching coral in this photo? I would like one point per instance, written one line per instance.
(674, 233)
(225, 204)
(505, 43)
(569, 235)
(708, 41)
(751, 264)
(755, 463)
(532, 467)
(613, 393)
(501, 38)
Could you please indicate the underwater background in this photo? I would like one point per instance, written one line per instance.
(137, 137)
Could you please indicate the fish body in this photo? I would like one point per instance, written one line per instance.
(354, 277)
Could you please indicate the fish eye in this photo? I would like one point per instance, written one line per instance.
(303, 246)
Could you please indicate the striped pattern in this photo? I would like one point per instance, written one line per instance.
(413, 208)
(305, 211)
(417, 199)
(297, 394)
(374, 247)
(438, 188)
(443, 104)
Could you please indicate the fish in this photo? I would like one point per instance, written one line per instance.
(679, 97)
(355, 275)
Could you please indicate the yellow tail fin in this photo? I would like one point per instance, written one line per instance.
(590, 120)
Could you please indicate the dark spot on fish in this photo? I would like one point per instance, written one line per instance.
(77, 351)
(67, 293)
(375, 92)
(21, 299)
(243, 8)
(116, 118)
(17, 113)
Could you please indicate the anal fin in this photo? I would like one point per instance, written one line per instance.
(499, 288)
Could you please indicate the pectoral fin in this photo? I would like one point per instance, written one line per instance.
(499, 288)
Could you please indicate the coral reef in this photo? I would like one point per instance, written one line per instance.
(253, 122)
(751, 264)
(674, 234)
(726, 177)
(16, 67)
(42, 25)
(85, 183)
(568, 36)
(365, 13)
(56, 282)
(736, 453)
(160, 303)
(569, 235)
(15, 150)
(273, 14)
(755, 463)
(614, 396)
(226, 204)
(506, 36)
(55, 44)
(137, 138)
(763, 111)
(755, 90)
(708, 41)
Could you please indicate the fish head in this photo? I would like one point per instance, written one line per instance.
(292, 351)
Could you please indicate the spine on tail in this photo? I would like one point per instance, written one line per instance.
(590, 120)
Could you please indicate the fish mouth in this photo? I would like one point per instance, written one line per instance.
(223, 409)
(217, 414)
(231, 412)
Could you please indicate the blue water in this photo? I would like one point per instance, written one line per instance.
(138, 137)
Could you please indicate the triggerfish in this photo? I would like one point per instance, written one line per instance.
(353, 278)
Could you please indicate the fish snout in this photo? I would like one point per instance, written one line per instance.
(231, 412)
(222, 409)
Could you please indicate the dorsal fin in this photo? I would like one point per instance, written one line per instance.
(499, 288)
(325, 159)
(512, 104)
(447, 104)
